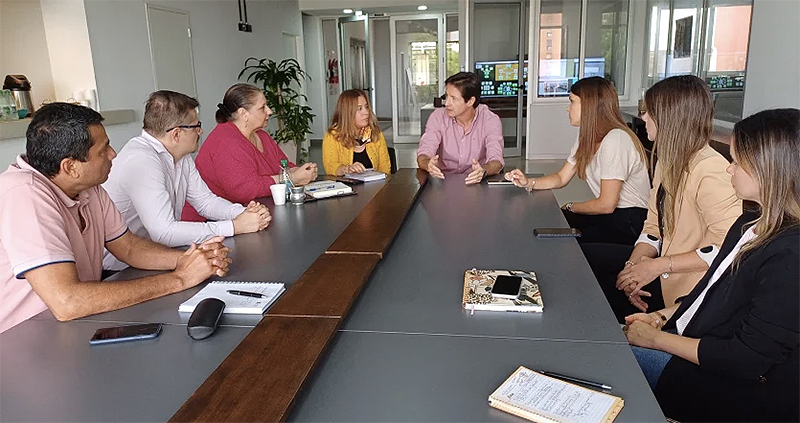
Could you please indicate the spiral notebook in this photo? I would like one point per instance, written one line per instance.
(539, 398)
(237, 304)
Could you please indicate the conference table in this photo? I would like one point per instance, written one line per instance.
(371, 327)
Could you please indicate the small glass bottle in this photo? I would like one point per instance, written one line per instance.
(286, 177)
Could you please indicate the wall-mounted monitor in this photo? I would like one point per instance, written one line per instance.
(501, 78)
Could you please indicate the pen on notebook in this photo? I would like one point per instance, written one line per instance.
(323, 187)
(245, 293)
(576, 380)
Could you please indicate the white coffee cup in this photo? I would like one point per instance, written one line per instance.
(278, 193)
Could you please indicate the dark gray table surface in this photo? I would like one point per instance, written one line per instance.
(408, 351)
(282, 252)
(417, 287)
(377, 377)
(50, 373)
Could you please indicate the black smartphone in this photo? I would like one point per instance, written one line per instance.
(556, 232)
(126, 333)
(506, 286)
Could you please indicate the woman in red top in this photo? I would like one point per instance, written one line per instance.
(239, 160)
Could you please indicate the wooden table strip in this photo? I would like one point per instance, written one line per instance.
(259, 380)
(373, 230)
(328, 288)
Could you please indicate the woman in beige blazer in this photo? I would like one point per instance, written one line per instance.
(691, 207)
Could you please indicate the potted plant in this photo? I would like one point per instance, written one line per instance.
(280, 82)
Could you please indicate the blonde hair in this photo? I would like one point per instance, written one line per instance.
(682, 109)
(343, 125)
(599, 115)
(767, 147)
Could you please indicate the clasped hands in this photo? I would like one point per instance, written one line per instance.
(641, 329)
(303, 174)
(476, 174)
(634, 277)
(203, 260)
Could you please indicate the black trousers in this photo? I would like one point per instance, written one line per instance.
(623, 226)
(606, 261)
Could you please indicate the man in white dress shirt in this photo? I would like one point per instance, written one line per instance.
(154, 176)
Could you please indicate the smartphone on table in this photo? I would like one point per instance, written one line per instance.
(506, 286)
(556, 233)
(126, 333)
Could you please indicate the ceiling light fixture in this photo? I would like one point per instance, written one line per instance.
(422, 7)
(359, 13)
(348, 11)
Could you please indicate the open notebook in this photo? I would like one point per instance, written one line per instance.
(237, 304)
(539, 398)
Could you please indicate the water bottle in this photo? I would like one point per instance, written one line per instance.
(286, 177)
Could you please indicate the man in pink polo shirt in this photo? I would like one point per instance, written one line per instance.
(463, 137)
(55, 220)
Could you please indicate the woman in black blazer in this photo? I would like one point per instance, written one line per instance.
(729, 350)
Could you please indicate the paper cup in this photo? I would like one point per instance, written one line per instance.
(278, 193)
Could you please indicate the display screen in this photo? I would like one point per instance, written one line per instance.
(501, 78)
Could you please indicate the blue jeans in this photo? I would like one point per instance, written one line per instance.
(652, 363)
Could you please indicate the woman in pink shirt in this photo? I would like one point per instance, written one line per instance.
(239, 160)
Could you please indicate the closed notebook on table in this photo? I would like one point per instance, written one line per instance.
(478, 292)
(368, 176)
(325, 189)
(543, 399)
(237, 304)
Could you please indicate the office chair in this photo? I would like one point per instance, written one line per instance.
(392, 159)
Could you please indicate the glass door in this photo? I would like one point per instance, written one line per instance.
(418, 66)
(354, 39)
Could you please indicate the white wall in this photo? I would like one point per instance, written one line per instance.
(23, 47)
(773, 61)
(316, 69)
(119, 43)
(68, 45)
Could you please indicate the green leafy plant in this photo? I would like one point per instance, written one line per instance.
(280, 82)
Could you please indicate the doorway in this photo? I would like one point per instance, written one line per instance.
(356, 51)
(418, 72)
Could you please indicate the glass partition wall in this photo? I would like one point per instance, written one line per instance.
(498, 56)
(707, 38)
(565, 56)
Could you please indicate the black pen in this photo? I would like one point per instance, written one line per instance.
(576, 380)
(245, 293)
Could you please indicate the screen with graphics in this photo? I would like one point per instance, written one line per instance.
(501, 78)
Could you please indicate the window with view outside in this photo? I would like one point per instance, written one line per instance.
(559, 47)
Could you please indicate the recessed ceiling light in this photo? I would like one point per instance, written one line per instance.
(359, 13)
(348, 11)
(422, 7)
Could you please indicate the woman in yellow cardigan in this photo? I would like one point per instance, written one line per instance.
(354, 142)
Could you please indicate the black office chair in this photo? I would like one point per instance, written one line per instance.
(392, 159)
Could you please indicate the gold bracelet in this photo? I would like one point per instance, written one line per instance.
(670, 263)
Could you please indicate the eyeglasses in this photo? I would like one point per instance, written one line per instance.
(198, 126)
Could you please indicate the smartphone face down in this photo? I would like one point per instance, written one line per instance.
(507, 286)
(126, 333)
